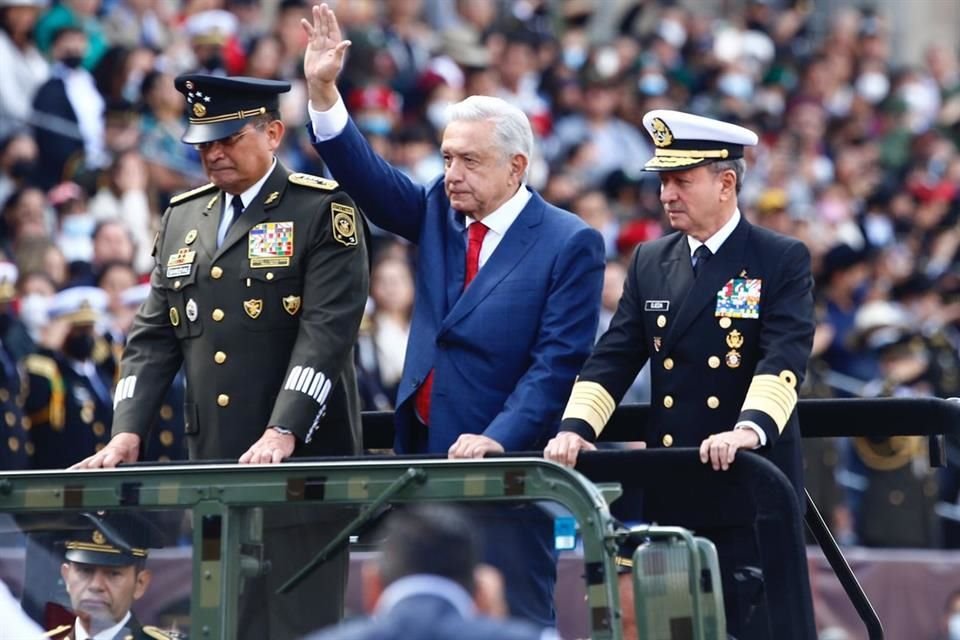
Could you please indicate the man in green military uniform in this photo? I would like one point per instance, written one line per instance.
(104, 571)
(259, 287)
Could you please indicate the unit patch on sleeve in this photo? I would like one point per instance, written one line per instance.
(270, 244)
(344, 224)
(739, 298)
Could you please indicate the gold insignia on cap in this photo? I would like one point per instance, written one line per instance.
(98, 538)
(344, 224)
(590, 402)
(174, 317)
(191, 236)
(199, 110)
(291, 304)
(253, 307)
(272, 197)
(660, 132)
(733, 359)
(734, 339)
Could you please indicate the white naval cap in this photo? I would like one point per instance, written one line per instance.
(213, 26)
(684, 141)
(79, 305)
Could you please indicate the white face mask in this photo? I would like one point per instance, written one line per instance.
(953, 626)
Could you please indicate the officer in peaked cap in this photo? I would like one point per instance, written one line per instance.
(260, 283)
(723, 310)
(104, 571)
(69, 404)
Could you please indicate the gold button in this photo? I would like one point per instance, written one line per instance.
(896, 497)
(713, 402)
(166, 412)
(217, 315)
(223, 399)
(11, 418)
(166, 437)
(99, 429)
(713, 362)
(176, 285)
(219, 357)
(216, 273)
(4, 395)
(269, 275)
(668, 401)
(668, 364)
(725, 323)
(13, 443)
(667, 440)
(661, 321)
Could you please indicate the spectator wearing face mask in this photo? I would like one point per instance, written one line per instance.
(18, 162)
(68, 113)
(69, 402)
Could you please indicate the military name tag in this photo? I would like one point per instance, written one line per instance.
(270, 244)
(180, 264)
(739, 298)
(656, 305)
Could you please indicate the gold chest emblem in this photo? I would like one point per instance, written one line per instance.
(253, 307)
(291, 304)
(734, 339)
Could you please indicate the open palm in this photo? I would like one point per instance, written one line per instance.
(326, 47)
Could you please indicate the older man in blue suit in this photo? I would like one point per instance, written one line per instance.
(507, 294)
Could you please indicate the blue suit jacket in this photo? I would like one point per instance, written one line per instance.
(505, 353)
(429, 617)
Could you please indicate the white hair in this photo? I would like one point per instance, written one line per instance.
(511, 129)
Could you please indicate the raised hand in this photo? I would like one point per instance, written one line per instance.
(323, 59)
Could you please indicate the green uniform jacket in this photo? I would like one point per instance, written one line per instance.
(265, 325)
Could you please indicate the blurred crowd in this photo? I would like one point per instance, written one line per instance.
(858, 158)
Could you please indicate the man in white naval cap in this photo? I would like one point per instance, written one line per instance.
(723, 310)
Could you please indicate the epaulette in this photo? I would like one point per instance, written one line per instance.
(316, 182)
(181, 197)
(160, 634)
(42, 365)
(57, 631)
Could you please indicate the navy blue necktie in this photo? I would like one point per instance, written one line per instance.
(700, 257)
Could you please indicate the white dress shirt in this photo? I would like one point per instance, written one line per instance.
(79, 633)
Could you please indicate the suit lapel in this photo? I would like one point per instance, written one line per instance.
(209, 221)
(726, 264)
(456, 255)
(257, 210)
(520, 237)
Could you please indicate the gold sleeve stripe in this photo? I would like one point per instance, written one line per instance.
(590, 402)
(773, 396)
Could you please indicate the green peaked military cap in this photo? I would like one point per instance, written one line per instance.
(219, 106)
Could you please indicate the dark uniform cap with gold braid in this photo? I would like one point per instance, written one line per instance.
(684, 141)
(218, 107)
(115, 539)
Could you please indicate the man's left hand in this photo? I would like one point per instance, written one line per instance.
(472, 445)
(721, 448)
(271, 448)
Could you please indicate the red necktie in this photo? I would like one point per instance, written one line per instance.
(475, 234)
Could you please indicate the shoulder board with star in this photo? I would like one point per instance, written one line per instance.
(159, 634)
(57, 631)
(182, 197)
(316, 182)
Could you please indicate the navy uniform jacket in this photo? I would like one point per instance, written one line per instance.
(16, 448)
(264, 324)
(505, 351)
(709, 370)
(70, 414)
